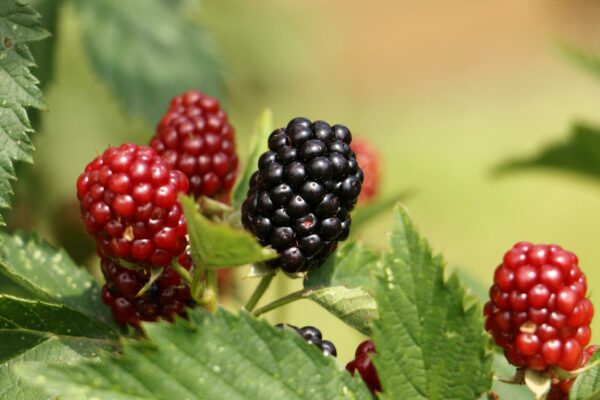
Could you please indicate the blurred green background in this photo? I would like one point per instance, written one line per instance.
(446, 91)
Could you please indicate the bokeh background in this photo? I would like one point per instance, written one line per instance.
(446, 90)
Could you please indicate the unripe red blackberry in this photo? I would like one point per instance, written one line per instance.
(166, 298)
(538, 311)
(128, 200)
(369, 160)
(363, 364)
(299, 200)
(195, 137)
(560, 389)
(313, 336)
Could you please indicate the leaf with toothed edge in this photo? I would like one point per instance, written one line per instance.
(19, 25)
(220, 356)
(429, 337)
(48, 274)
(36, 330)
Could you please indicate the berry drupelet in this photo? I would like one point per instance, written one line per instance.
(300, 199)
(538, 311)
(195, 137)
(363, 364)
(166, 297)
(313, 336)
(128, 200)
(561, 388)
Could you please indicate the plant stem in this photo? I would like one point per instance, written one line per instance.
(182, 272)
(259, 291)
(283, 301)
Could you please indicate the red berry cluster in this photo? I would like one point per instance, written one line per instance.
(195, 138)
(363, 364)
(560, 389)
(538, 311)
(164, 299)
(128, 198)
(369, 160)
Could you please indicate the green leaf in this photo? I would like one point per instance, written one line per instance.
(429, 335)
(19, 25)
(148, 52)
(579, 154)
(27, 323)
(262, 129)
(587, 384)
(33, 330)
(13, 387)
(48, 274)
(220, 356)
(216, 245)
(343, 285)
(352, 265)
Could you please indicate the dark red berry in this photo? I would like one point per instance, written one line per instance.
(300, 199)
(195, 137)
(363, 364)
(129, 204)
(538, 311)
(166, 298)
(313, 336)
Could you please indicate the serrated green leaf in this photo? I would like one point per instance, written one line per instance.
(147, 58)
(355, 306)
(217, 245)
(343, 285)
(579, 154)
(262, 129)
(587, 385)
(48, 274)
(34, 330)
(27, 323)
(430, 344)
(19, 25)
(51, 351)
(220, 356)
(352, 266)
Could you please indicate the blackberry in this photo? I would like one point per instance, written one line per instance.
(364, 365)
(299, 200)
(538, 310)
(195, 137)
(128, 200)
(166, 298)
(313, 336)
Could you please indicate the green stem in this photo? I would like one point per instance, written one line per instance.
(259, 291)
(182, 272)
(301, 294)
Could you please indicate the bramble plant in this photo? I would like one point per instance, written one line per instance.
(167, 216)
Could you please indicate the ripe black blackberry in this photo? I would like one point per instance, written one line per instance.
(299, 200)
(313, 336)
